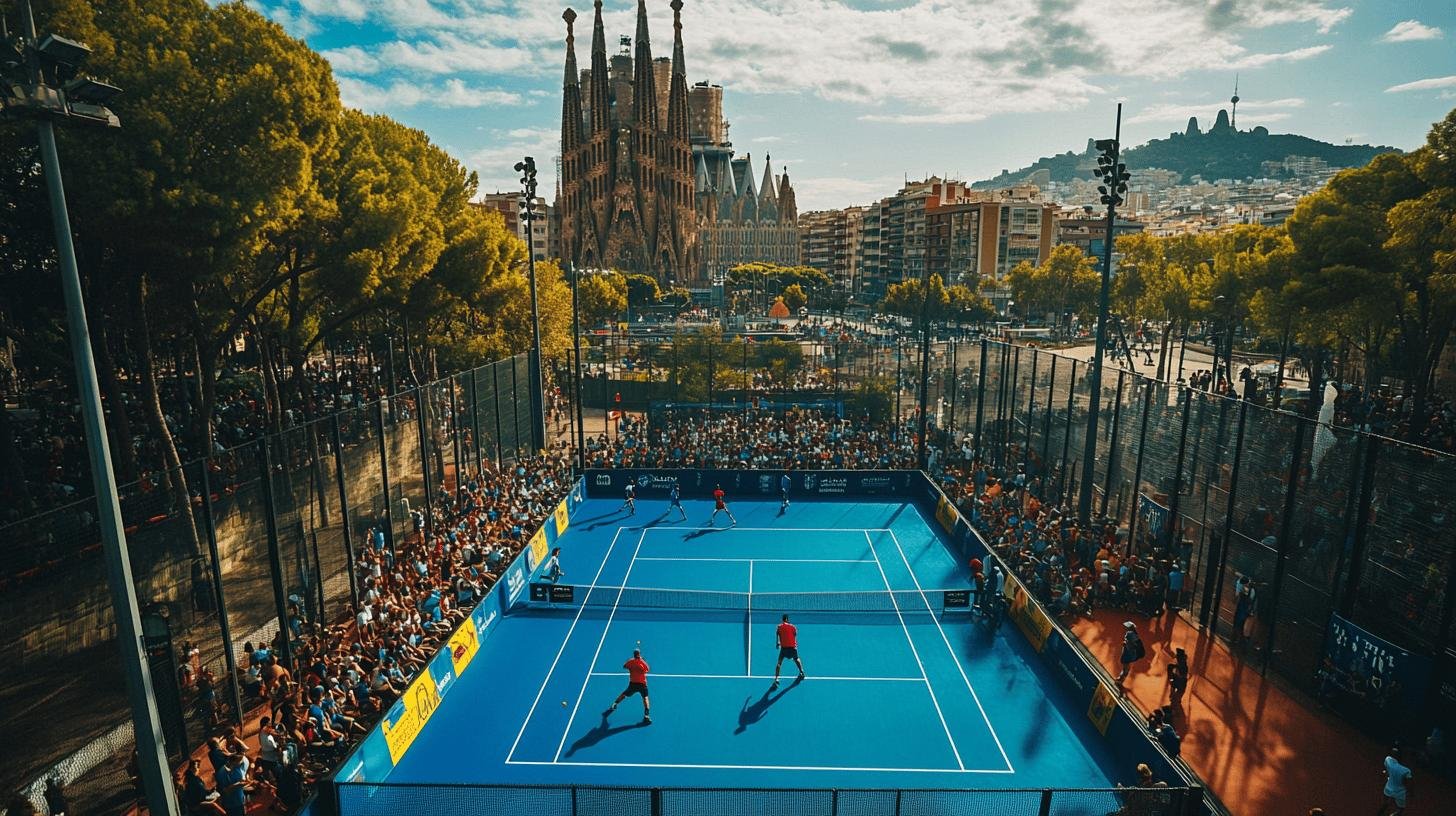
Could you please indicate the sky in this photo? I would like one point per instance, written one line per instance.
(852, 97)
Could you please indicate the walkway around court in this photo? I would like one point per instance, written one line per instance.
(1263, 750)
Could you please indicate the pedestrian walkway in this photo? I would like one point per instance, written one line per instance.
(1263, 750)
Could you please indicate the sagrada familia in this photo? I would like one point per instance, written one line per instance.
(648, 179)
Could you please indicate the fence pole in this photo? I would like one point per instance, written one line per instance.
(955, 384)
(1285, 524)
(230, 660)
(495, 397)
(1175, 526)
(455, 442)
(384, 478)
(1046, 802)
(475, 415)
(344, 512)
(1067, 435)
(981, 401)
(1112, 443)
(1030, 411)
(1009, 430)
(275, 566)
(1220, 555)
(1137, 470)
(1046, 428)
(421, 396)
(1362, 526)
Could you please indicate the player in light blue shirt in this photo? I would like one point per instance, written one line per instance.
(784, 482)
(674, 496)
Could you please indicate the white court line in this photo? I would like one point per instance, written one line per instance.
(769, 677)
(763, 560)
(952, 651)
(564, 641)
(774, 529)
(928, 686)
(585, 680)
(748, 663)
(761, 767)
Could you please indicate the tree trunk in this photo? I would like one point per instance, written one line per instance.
(14, 493)
(175, 480)
(122, 451)
(1163, 349)
(1283, 357)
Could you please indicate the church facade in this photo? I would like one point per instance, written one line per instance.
(649, 184)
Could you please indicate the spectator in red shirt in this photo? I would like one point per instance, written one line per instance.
(787, 638)
(636, 684)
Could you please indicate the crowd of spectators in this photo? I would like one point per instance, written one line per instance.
(346, 672)
(788, 438)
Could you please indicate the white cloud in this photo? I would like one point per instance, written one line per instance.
(1431, 84)
(495, 164)
(907, 61)
(1251, 113)
(1410, 31)
(454, 93)
(820, 193)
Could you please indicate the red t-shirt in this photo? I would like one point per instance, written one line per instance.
(788, 636)
(718, 497)
(636, 670)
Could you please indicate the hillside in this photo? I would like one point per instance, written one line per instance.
(1220, 152)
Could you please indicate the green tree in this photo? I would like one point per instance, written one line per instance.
(794, 298)
(1067, 281)
(873, 397)
(603, 297)
(642, 292)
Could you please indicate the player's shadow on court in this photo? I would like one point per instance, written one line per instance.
(751, 713)
(600, 733)
(702, 531)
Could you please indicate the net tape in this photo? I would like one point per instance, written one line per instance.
(828, 601)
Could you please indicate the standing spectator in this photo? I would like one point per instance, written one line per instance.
(232, 785)
(1178, 676)
(1244, 608)
(1132, 649)
(1397, 784)
(197, 797)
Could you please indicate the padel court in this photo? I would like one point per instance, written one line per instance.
(902, 691)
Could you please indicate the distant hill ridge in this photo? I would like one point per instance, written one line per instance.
(1218, 153)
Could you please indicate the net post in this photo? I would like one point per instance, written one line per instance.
(834, 801)
(1192, 800)
(573, 800)
(656, 802)
(901, 793)
(1046, 802)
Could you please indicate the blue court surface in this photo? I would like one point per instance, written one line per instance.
(899, 692)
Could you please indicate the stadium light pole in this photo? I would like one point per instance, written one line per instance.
(44, 84)
(527, 169)
(1114, 183)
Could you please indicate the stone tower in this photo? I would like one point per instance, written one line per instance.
(626, 199)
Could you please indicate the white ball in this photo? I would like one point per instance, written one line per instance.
(563, 704)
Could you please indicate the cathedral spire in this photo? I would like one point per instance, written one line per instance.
(600, 90)
(677, 100)
(644, 87)
(766, 189)
(570, 90)
(788, 207)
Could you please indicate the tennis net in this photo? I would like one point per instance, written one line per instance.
(903, 601)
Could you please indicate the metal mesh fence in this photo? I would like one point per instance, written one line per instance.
(216, 570)
(361, 799)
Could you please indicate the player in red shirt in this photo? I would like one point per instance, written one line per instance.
(787, 638)
(637, 670)
(720, 506)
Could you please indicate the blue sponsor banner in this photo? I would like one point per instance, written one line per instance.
(1362, 672)
(1154, 516)
(748, 484)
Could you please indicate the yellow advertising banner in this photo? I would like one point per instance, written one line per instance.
(538, 548)
(463, 645)
(1104, 702)
(1027, 616)
(946, 514)
(419, 703)
(563, 518)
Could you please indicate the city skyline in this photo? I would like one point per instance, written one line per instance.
(958, 90)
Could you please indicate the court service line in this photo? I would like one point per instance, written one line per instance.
(748, 663)
(603, 639)
(564, 641)
(777, 529)
(761, 560)
(949, 648)
(769, 677)
(928, 685)
(761, 767)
